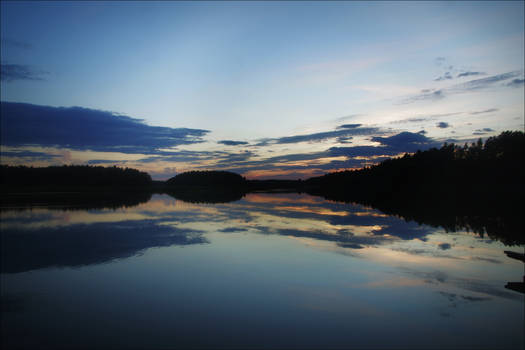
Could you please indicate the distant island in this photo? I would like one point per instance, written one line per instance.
(439, 187)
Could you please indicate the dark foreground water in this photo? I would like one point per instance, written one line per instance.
(270, 270)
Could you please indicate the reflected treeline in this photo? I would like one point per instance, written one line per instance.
(504, 226)
(110, 199)
(85, 244)
(206, 195)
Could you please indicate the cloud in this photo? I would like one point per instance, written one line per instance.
(452, 297)
(389, 146)
(345, 139)
(482, 131)
(490, 110)
(232, 143)
(484, 82)
(469, 74)
(424, 118)
(480, 258)
(407, 141)
(443, 125)
(30, 154)
(349, 126)
(236, 157)
(412, 120)
(104, 161)
(87, 129)
(343, 240)
(322, 136)
(445, 76)
(233, 229)
(472, 85)
(472, 285)
(426, 252)
(184, 156)
(432, 94)
(12, 72)
(444, 246)
(347, 117)
(301, 165)
(440, 60)
(516, 82)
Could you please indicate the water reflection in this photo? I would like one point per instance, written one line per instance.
(56, 236)
(302, 270)
(84, 244)
(73, 200)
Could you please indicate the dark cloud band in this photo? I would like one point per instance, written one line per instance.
(87, 129)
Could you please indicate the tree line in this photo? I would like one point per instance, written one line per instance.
(494, 168)
(72, 175)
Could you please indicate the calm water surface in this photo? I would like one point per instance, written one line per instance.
(270, 270)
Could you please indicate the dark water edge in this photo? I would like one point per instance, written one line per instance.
(500, 217)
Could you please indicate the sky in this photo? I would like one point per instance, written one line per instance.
(264, 89)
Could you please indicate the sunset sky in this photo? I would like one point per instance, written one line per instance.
(264, 89)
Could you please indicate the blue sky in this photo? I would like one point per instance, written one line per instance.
(260, 88)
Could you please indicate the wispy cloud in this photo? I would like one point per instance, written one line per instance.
(444, 246)
(484, 82)
(105, 161)
(12, 72)
(424, 118)
(347, 117)
(472, 85)
(482, 131)
(516, 83)
(469, 74)
(354, 130)
(30, 154)
(349, 126)
(430, 94)
(490, 110)
(232, 143)
(445, 76)
(443, 125)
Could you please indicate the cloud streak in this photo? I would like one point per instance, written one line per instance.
(472, 85)
(13, 72)
(30, 154)
(346, 130)
(490, 110)
(469, 74)
(443, 125)
(232, 143)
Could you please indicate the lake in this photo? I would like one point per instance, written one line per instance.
(270, 270)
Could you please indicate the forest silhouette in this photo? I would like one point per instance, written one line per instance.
(72, 175)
